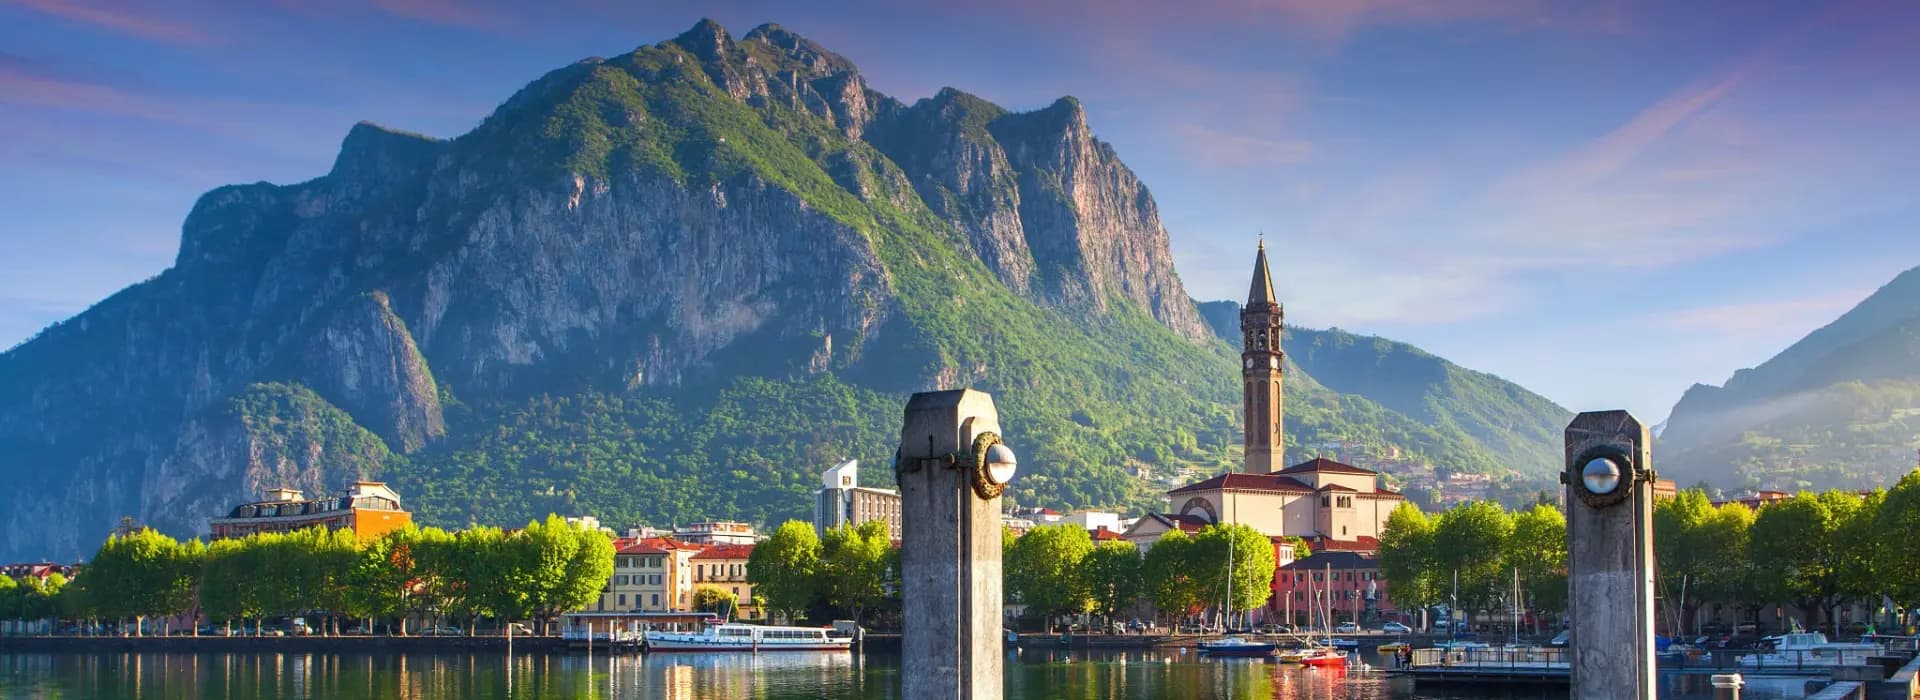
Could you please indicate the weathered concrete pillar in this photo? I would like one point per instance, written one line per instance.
(951, 468)
(1609, 480)
(1726, 686)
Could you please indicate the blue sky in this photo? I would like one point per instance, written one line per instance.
(1604, 201)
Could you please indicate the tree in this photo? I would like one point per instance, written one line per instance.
(1537, 550)
(562, 566)
(1252, 563)
(853, 567)
(1680, 560)
(714, 600)
(1897, 520)
(1111, 574)
(1468, 539)
(1408, 559)
(782, 568)
(1731, 577)
(1042, 571)
(484, 575)
(1169, 573)
(9, 598)
(1795, 549)
(138, 575)
(227, 592)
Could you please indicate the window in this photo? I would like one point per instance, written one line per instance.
(623, 600)
(1325, 501)
(700, 571)
(656, 600)
(736, 592)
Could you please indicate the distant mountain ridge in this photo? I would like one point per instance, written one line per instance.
(1514, 427)
(663, 286)
(1838, 409)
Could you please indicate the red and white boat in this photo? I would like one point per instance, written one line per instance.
(1324, 658)
(748, 638)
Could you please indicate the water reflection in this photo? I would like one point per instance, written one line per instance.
(1130, 675)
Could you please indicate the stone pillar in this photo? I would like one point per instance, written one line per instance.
(1609, 480)
(951, 646)
(1726, 686)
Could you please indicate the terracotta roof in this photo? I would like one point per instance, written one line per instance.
(1322, 464)
(726, 551)
(1337, 487)
(1323, 543)
(1187, 523)
(1336, 560)
(1102, 534)
(652, 545)
(1235, 481)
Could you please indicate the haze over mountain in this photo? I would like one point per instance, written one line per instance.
(667, 285)
(1838, 409)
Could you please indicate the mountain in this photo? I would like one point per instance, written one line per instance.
(1493, 424)
(1840, 408)
(667, 285)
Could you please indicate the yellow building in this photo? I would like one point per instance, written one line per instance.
(725, 567)
(369, 508)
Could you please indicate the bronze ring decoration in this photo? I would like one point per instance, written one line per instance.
(981, 484)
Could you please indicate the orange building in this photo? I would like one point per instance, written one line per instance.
(369, 508)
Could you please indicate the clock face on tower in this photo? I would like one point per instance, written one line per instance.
(1249, 363)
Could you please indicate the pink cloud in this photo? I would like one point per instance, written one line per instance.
(448, 12)
(1216, 147)
(116, 19)
(1767, 318)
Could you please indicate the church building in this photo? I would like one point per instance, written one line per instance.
(1339, 505)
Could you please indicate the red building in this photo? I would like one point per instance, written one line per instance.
(1341, 582)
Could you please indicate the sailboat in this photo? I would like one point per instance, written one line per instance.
(1234, 646)
(1326, 656)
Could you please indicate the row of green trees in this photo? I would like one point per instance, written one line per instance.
(1814, 551)
(1483, 545)
(852, 570)
(535, 573)
(1057, 570)
(31, 597)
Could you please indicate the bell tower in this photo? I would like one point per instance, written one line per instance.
(1261, 366)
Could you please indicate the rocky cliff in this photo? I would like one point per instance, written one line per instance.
(670, 284)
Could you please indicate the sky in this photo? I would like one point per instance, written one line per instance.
(1603, 201)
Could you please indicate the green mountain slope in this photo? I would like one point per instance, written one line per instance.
(1490, 425)
(667, 285)
(1838, 409)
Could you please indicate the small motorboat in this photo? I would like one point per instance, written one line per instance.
(1347, 644)
(1237, 647)
(1324, 658)
(1391, 647)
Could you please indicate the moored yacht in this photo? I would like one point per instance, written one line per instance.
(1800, 649)
(744, 637)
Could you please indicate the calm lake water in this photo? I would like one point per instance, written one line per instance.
(1133, 675)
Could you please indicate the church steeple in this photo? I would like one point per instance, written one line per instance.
(1262, 290)
(1262, 367)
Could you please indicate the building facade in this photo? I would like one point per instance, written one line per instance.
(841, 500)
(1329, 588)
(368, 508)
(715, 532)
(649, 575)
(1316, 498)
(725, 567)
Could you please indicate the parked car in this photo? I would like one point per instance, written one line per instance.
(1193, 629)
(1276, 629)
(1442, 624)
(1346, 628)
(1396, 628)
(442, 631)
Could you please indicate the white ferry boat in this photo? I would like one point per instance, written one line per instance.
(743, 637)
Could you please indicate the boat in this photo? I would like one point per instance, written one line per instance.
(1324, 658)
(1391, 647)
(1237, 647)
(1800, 649)
(736, 636)
(1343, 644)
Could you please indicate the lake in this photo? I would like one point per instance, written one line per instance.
(1031, 674)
